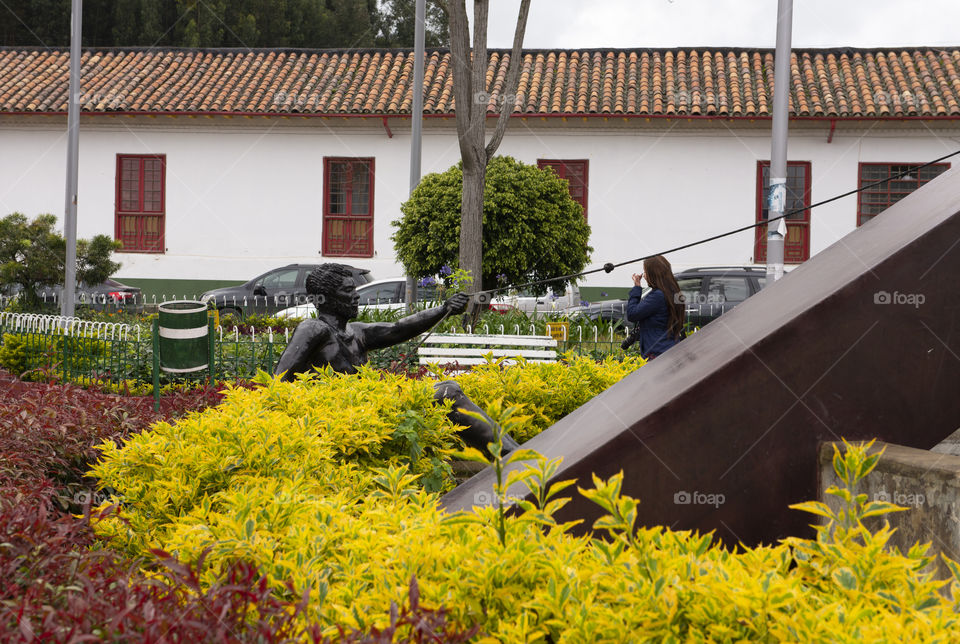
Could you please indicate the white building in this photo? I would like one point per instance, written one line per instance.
(218, 165)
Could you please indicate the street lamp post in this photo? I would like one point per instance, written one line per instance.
(67, 302)
(776, 206)
(416, 123)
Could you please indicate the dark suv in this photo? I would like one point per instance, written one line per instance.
(708, 292)
(274, 290)
(712, 291)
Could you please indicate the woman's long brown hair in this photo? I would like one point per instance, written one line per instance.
(660, 276)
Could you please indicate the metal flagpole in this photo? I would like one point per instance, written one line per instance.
(776, 205)
(67, 303)
(416, 123)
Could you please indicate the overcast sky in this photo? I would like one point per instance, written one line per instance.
(566, 24)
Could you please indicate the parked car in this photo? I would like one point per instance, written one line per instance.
(272, 291)
(613, 311)
(547, 303)
(712, 291)
(385, 294)
(708, 292)
(108, 295)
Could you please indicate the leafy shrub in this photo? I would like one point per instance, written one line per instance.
(343, 518)
(56, 585)
(259, 475)
(370, 314)
(259, 324)
(302, 432)
(33, 254)
(13, 353)
(112, 313)
(38, 357)
(399, 359)
(48, 432)
(55, 582)
(544, 390)
(412, 623)
(580, 335)
(532, 228)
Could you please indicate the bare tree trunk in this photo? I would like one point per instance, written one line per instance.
(472, 99)
(471, 222)
(509, 98)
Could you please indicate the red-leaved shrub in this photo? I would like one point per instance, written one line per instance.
(58, 583)
(413, 623)
(49, 431)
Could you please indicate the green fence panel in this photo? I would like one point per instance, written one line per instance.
(87, 352)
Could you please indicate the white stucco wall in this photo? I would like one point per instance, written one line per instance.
(245, 195)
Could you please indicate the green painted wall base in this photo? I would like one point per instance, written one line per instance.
(174, 289)
(188, 289)
(598, 293)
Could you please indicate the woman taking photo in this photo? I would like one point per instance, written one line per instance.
(660, 316)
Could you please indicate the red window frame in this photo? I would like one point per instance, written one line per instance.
(881, 197)
(348, 233)
(562, 168)
(796, 246)
(140, 227)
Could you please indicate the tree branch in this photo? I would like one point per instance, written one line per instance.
(479, 62)
(462, 78)
(479, 97)
(509, 95)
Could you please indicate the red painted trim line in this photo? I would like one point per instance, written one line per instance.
(550, 115)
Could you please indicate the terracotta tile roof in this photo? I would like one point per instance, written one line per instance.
(686, 82)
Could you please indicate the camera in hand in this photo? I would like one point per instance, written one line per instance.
(632, 337)
(479, 300)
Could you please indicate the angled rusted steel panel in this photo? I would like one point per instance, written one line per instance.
(739, 408)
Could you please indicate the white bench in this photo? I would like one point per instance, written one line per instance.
(472, 350)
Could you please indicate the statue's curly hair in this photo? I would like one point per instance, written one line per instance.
(327, 278)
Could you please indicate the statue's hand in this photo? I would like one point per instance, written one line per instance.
(457, 303)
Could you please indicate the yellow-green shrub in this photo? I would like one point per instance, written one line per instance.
(547, 391)
(33, 356)
(307, 480)
(13, 354)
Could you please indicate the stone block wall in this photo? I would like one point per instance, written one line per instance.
(928, 482)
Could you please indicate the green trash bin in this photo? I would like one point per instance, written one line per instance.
(184, 336)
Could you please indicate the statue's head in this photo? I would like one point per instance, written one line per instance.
(333, 290)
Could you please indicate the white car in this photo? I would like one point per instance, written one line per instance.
(381, 295)
(548, 303)
(389, 295)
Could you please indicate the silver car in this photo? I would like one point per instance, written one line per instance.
(378, 295)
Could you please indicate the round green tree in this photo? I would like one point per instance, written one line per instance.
(532, 228)
(33, 254)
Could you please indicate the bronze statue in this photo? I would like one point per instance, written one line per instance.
(331, 339)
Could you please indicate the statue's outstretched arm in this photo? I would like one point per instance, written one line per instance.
(385, 334)
(297, 357)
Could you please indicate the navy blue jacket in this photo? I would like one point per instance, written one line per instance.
(652, 318)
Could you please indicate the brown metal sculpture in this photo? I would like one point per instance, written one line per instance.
(332, 340)
(721, 432)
